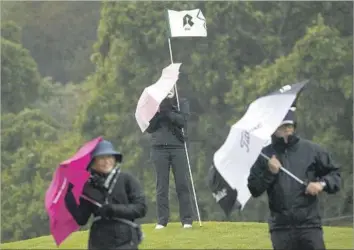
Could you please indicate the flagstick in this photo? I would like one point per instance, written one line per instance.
(185, 143)
(286, 171)
(170, 48)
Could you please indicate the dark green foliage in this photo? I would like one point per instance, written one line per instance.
(252, 48)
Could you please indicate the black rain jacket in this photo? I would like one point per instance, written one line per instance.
(129, 203)
(166, 126)
(289, 205)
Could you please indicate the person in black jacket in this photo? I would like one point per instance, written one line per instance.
(168, 151)
(295, 221)
(121, 197)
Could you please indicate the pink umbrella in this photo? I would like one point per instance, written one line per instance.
(73, 170)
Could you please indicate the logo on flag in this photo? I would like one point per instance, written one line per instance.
(187, 23)
(187, 20)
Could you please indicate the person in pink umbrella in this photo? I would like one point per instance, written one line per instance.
(114, 198)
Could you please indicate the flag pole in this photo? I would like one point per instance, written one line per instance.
(185, 143)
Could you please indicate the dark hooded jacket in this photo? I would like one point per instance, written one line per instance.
(129, 203)
(166, 126)
(289, 205)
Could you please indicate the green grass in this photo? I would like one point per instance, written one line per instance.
(212, 235)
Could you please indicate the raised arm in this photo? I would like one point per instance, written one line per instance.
(180, 118)
(260, 177)
(177, 118)
(81, 213)
(155, 123)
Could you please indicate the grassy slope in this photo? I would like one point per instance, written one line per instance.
(215, 235)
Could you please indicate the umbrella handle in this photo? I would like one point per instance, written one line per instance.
(91, 200)
(286, 171)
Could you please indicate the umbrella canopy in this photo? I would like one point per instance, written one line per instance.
(73, 170)
(248, 136)
(224, 195)
(153, 95)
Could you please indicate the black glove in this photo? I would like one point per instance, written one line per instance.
(69, 197)
(106, 211)
(164, 115)
(70, 187)
(166, 105)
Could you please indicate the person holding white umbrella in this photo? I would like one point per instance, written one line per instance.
(168, 152)
(295, 221)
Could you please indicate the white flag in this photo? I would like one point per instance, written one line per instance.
(249, 135)
(187, 23)
(153, 95)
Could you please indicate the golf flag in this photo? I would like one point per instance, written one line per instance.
(186, 23)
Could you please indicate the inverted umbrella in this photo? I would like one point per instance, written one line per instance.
(153, 95)
(248, 136)
(74, 171)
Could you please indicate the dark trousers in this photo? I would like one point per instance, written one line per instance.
(301, 238)
(164, 159)
(110, 238)
(130, 246)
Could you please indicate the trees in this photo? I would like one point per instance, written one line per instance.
(252, 48)
(36, 118)
(59, 37)
(19, 75)
(324, 57)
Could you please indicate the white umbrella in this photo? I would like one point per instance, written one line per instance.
(153, 95)
(248, 136)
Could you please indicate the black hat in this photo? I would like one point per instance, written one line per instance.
(289, 117)
(106, 148)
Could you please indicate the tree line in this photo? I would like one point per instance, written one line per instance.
(72, 71)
